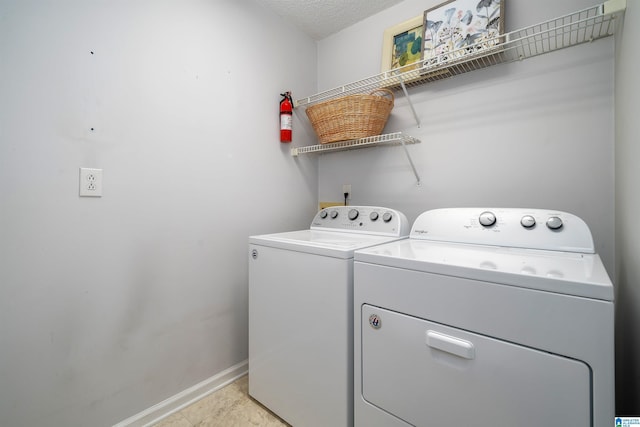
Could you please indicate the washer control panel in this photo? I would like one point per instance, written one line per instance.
(508, 227)
(362, 219)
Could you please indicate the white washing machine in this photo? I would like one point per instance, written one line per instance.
(484, 317)
(301, 313)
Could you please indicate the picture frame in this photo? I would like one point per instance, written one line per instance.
(402, 44)
(461, 27)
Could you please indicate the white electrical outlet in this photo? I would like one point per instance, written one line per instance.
(346, 188)
(90, 182)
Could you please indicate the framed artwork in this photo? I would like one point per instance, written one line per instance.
(402, 44)
(464, 26)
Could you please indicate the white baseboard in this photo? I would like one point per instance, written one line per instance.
(185, 398)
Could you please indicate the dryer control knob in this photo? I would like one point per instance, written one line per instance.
(373, 216)
(554, 223)
(323, 214)
(353, 214)
(487, 218)
(528, 221)
(387, 216)
(334, 214)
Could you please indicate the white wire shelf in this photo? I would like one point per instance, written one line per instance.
(396, 138)
(569, 30)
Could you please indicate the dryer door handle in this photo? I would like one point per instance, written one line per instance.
(459, 347)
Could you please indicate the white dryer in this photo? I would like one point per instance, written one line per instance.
(301, 313)
(484, 317)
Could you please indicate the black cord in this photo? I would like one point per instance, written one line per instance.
(346, 195)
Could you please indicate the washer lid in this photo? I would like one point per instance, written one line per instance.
(328, 243)
(553, 271)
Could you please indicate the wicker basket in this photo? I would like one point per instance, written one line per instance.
(351, 117)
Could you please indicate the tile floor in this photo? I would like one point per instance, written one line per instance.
(230, 406)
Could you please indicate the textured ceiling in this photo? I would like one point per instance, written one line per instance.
(320, 18)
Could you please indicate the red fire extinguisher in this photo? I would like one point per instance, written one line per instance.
(286, 117)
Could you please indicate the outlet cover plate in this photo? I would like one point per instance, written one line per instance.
(90, 182)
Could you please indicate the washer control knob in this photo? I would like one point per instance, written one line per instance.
(387, 216)
(487, 218)
(373, 216)
(323, 214)
(353, 214)
(334, 214)
(528, 221)
(554, 223)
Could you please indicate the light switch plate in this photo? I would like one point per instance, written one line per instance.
(90, 182)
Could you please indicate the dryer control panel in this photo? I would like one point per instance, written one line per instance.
(362, 219)
(508, 227)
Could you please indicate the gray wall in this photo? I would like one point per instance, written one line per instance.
(110, 305)
(627, 208)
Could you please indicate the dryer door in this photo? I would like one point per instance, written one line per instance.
(428, 374)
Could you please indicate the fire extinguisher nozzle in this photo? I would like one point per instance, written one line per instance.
(286, 117)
